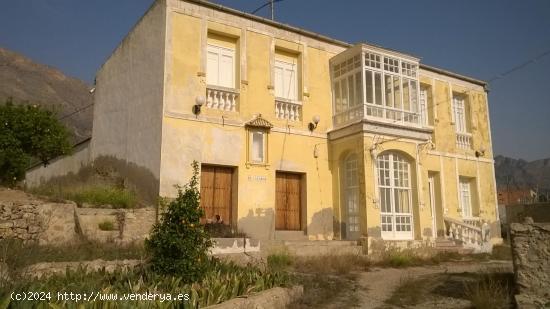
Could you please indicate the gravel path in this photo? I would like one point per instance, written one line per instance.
(378, 284)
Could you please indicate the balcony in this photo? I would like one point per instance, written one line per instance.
(376, 85)
(287, 109)
(221, 98)
(463, 140)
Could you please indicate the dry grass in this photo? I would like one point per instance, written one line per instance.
(97, 195)
(331, 264)
(411, 291)
(18, 255)
(491, 290)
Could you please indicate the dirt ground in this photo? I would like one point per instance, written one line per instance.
(375, 288)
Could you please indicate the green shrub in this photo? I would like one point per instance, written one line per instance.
(106, 225)
(27, 133)
(279, 261)
(178, 244)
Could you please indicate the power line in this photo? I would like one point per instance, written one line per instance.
(272, 4)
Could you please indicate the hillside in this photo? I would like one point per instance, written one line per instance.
(28, 82)
(520, 173)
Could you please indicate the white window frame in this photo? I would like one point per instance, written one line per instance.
(352, 196)
(220, 52)
(388, 183)
(423, 106)
(459, 113)
(254, 157)
(285, 92)
(465, 188)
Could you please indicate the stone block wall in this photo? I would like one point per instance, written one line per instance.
(37, 221)
(531, 257)
(20, 221)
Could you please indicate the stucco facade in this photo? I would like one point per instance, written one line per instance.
(145, 114)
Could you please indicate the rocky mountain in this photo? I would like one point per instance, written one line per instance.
(28, 82)
(518, 173)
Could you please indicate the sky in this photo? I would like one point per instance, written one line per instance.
(481, 39)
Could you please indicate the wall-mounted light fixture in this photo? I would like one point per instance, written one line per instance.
(314, 122)
(199, 101)
(480, 152)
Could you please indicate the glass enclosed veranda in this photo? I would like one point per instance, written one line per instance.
(373, 84)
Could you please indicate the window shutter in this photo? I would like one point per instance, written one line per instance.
(212, 66)
(226, 70)
(220, 66)
(279, 82)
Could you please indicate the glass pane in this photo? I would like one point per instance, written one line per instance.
(351, 86)
(378, 88)
(388, 86)
(359, 88)
(397, 92)
(345, 102)
(406, 95)
(368, 84)
(257, 147)
(337, 97)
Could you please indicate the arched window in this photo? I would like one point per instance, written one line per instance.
(394, 183)
(351, 197)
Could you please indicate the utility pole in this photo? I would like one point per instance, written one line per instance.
(272, 9)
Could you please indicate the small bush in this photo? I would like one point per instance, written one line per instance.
(411, 291)
(179, 245)
(106, 225)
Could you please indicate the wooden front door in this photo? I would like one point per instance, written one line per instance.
(288, 193)
(216, 185)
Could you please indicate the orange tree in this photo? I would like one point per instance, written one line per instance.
(28, 132)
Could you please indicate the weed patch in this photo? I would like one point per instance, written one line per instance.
(106, 225)
(95, 195)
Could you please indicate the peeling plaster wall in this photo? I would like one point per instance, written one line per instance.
(216, 137)
(128, 100)
(59, 167)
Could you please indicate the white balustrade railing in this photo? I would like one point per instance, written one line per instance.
(288, 110)
(373, 111)
(470, 236)
(475, 221)
(224, 99)
(464, 140)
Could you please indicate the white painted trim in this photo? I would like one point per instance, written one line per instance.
(459, 156)
(458, 187)
(442, 180)
(478, 189)
(449, 79)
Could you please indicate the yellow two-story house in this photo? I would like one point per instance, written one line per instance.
(299, 136)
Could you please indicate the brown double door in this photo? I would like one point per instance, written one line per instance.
(288, 201)
(216, 187)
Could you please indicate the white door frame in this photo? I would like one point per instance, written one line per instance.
(431, 189)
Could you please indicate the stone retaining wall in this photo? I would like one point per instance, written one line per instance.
(531, 257)
(29, 219)
(36, 221)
